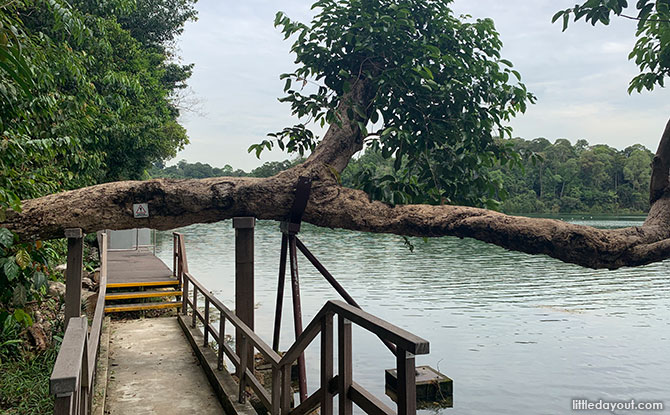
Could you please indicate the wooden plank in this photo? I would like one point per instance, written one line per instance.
(96, 325)
(310, 404)
(143, 284)
(368, 402)
(65, 377)
(137, 267)
(139, 307)
(142, 294)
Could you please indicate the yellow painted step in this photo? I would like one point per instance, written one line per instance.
(142, 284)
(139, 307)
(141, 294)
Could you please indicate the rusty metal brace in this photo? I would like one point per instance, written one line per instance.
(289, 229)
(290, 242)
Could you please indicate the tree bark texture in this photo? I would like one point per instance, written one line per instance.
(176, 203)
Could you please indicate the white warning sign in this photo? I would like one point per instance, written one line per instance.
(141, 210)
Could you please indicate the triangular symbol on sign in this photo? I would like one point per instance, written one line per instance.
(140, 210)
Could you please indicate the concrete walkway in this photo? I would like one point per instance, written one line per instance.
(152, 370)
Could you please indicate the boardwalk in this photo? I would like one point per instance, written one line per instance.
(136, 267)
(152, 370)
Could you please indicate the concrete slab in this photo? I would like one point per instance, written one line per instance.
(152, 370)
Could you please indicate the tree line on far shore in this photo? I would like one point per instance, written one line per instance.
(558, 177)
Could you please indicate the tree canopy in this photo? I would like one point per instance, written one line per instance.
(651, 52)
(437, 93)
(87, 93)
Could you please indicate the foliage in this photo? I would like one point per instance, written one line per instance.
(440, 92)
(558, 177)
(24, 385)
(185, 170)
(83, 101)
(580, 178)
(651, 52)
(24, 269)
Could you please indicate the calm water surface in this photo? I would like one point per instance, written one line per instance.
(518, 334)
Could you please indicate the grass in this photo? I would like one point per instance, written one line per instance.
(24, 385)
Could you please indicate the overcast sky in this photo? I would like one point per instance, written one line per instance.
(579, 76)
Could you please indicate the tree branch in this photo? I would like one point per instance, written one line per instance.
(175, 203)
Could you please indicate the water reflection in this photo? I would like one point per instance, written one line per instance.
(517, 333)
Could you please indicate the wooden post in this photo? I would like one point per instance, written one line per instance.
(326, 363)
(344, 361)
(244, 280)
(406, 382)
(73, 274)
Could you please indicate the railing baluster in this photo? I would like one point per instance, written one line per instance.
(406, 382)
(175, 254)
(241, 369)
(206, 323)
(286, 391)
(326, 363)
(85, 392)
(195, 306)
(275, 401)
(344, 364)
(184, 296)
(222, 340)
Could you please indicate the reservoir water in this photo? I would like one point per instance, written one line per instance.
(518, 334)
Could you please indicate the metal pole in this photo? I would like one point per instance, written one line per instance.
(244, 280)
(297, 315)
(73, 273)
(280, 292)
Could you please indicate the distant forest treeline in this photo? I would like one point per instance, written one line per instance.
(554, 178)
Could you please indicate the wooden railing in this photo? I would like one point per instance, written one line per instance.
(72, 378)
(278, 400)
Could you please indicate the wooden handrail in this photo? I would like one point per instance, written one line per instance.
(267, 352)
(69, 378)
(96, 325)
(277, 402)
(387, 331)
(73, 375)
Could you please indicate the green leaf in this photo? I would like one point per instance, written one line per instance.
(20, 314)
(11, 269)
(6, 237)
(39, 280)
(23, 258)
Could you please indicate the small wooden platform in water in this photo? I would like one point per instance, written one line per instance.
(135, 271)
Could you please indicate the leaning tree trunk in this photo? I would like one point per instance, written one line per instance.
(175, 203)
